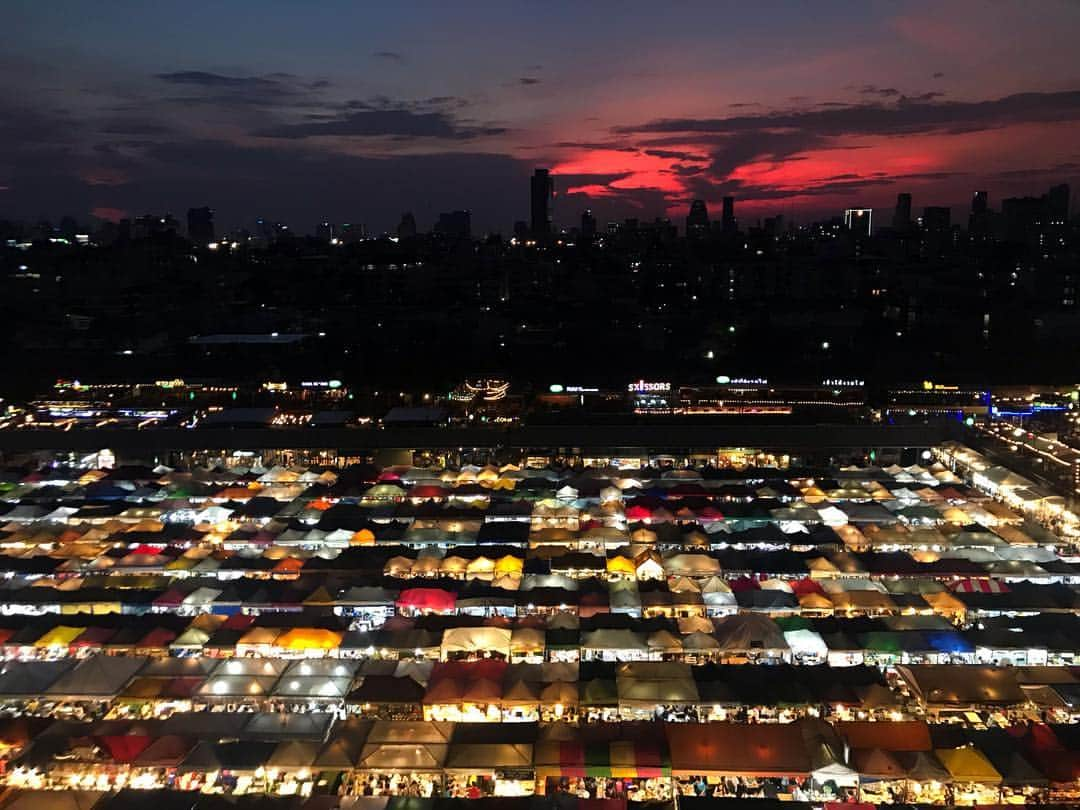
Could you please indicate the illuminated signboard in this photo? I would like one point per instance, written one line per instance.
(321, 384)
(556, 388)
(643, 387)
(725, 380)
(842, 383)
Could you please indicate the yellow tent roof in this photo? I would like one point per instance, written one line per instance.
(60, 636)
(944, 602)
(308, 638)
(815, 601)
(621, 565)
(509, 565)
(968, 764)
(480, 565)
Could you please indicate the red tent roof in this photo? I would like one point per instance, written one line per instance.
(427, 599)
(124, 747)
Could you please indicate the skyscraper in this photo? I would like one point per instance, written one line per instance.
(697, 221)
(455, 224)
(542, 190)
(936, 218)
(979, 220)
(588, 224)
(902, 215)
(1057, 204)
(727, 217)
(406, 229)
(200, 225)
(859, 220)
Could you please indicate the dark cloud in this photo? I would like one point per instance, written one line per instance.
(614, 146)
(134, 127)
(874, 90)
(738, 105)
(594, 179)
(1058, 170)
(921, 97)
(385, 121)
(528, 80)
(390, 56)
(938, 75)
(673, 154)
(914, 115)
(200, 78)
(685, 170)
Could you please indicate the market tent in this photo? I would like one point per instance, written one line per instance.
(746, 632)
(559, 694)
(100, 676)
(648, 684)
(968, 764)
(489, 756)
(737, 749)
(644, 757)
(903, 735)
(613, 639)
(476, 640)
(166, 751)
(944, 685)
(526, 640)
(53, 799)
(922, 766)
(427, 599)
(248, 755)
(874, 764)
(31, 678)
(59, 636)
(342, 749)
(405, 745)
(294, 754)
(692, 565)
(300, 639)
(805, 642)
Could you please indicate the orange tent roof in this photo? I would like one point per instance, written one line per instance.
(308, 638)
(902, 735)
(289, 565)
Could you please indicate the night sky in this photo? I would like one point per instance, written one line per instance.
(355, 112)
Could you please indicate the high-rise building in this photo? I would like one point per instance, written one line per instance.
(542, 190)
(902, 215)
(1024, 217)
(727, 216)
(325, 231)
(859, 220)
(455, 224)
(1057, 204)
(979, 220)
(936, 218)
(350, 232)
(406, 229)
(588, 224)
(200, 225)
(697, 221)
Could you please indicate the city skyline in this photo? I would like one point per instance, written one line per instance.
(350, 115)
